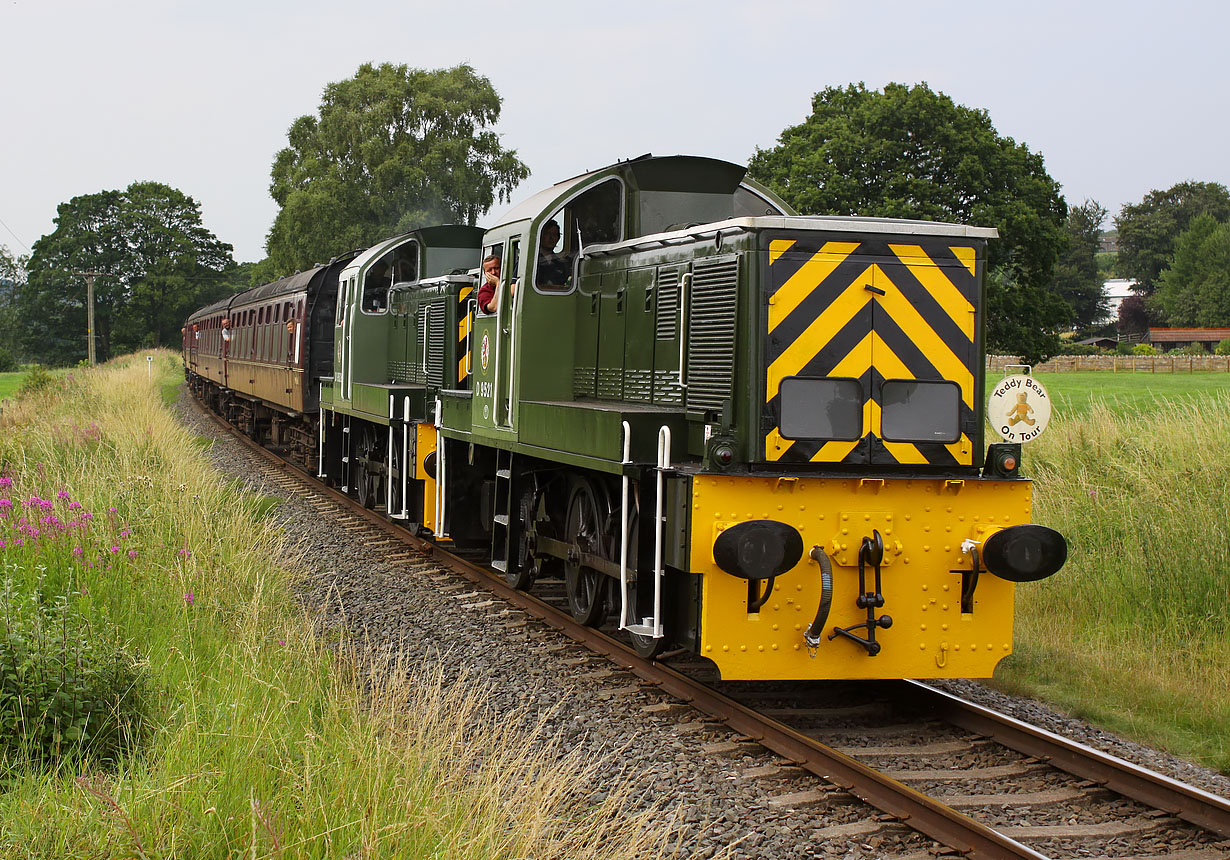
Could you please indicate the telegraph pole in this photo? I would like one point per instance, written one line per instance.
(89, 326)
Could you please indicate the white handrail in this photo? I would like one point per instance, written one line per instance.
(406, 467)
(623, 535)
(664, 463)
(320, 431)
(388, 478)
(441, 474)
(684, 282)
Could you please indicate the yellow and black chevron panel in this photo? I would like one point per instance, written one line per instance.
(465, 325)
(871, 347)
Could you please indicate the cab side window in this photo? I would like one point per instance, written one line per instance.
(594, 217)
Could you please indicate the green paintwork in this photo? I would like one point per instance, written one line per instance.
(376, 350)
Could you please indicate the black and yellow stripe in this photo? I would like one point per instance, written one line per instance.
(872, 310)
(465, 324)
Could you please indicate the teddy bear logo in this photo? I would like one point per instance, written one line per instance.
(1021, 410)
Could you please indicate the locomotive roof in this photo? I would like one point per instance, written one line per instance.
(650, 173)
(443, 236)
(826, 223)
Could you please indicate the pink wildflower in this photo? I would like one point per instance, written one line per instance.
(6, 482)
(132, 553)
(78, 551)
(63, 494)
(111, 510)
(185, 553)
(189, 597)
(74, 505)
(115, 549)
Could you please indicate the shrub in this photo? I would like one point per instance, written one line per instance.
(37, 378)
(1144, 349)
(1223, 348)
(1192, 349)
(1124, 348)
(66, 689)
(8, 363)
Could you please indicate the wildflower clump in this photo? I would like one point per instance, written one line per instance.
(68, 685)
(66, 688)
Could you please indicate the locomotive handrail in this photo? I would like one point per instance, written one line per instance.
(684, 283)
(441, 474)
(623, 533)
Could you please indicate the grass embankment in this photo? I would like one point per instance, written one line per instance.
(1134, 633)
(256, 741)
(1074, 394)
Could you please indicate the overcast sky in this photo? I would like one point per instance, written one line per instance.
(1119, 97)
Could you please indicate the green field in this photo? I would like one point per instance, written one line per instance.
(1124, 393)
(9, 383)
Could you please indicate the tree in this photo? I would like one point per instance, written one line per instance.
(1078, 280)
(1133, 317)
(12, 277)
(392, 148)
(1148, 229)
(158, 263)
(1195, 289)
(910, 152)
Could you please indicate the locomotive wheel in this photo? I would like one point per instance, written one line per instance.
(586, 587)
(530, 516)
(366, 485)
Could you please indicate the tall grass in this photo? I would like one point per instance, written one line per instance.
(262, 742)
(1135, 631)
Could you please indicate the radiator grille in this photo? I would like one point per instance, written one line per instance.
(666, 388)
(400, 371)
(435, 344)
(638, 384)
(711, 332)
(583, 382)
(666, 324)
(610, 382)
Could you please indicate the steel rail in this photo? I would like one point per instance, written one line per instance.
(918, 811)
(1139, 783)
(913, 808)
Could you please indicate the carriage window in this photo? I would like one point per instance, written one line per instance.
(821, 408)
(920, 411)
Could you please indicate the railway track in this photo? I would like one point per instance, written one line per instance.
(978, 783)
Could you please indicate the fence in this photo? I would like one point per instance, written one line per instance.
(1120, 363)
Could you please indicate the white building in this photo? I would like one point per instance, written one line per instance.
(1115, 291)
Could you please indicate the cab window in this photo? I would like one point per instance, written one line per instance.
(593, 217)
(398, 266)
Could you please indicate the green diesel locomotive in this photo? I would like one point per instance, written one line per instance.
(729, 429)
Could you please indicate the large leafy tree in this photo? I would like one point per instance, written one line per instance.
(911, 152)
(12, 277)
(1195, 289)
(1148, 229)
(158, 263)
(1078, 280)
(391, 149)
